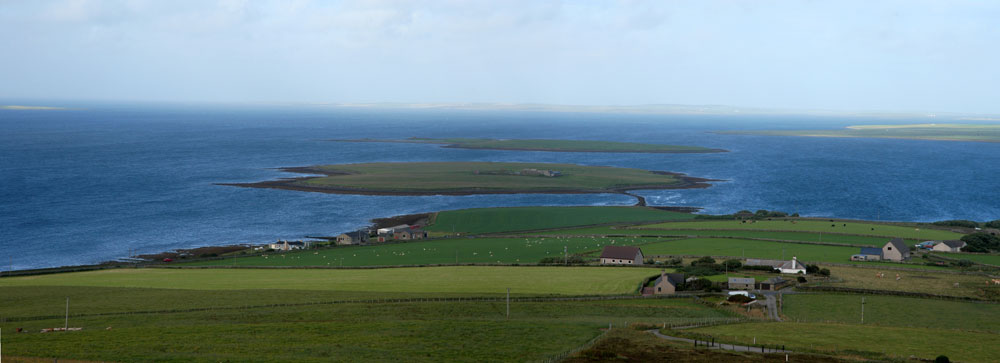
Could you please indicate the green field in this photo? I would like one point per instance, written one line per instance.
(493, 220)
(948, 132)
(774, 235)
(892, 311)
(824, 226)
(987, 259)
(549, 145)
(431, 252)
(467, 178)
(900, 342)
(928, 282)
(452, 279)
(416, 331)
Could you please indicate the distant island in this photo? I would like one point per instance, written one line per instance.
(945, 132)
(469, 178)
(547, 145)
(19, 107)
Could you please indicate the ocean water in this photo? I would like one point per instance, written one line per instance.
(87, 185)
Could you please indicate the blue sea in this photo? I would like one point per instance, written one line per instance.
(89, 184)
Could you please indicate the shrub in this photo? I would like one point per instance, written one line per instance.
(739, 299)
(703, 261)
(703, 270)
(800, 279)
(964, 263)
(732, 264)
(699, 284)
(824, 272)
(811, 269)
(957, 223)
(942, 359)
(981, 242)
(675, 261)
(572, 260)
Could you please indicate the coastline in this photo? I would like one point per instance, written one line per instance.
(450, 145)
(685, 182)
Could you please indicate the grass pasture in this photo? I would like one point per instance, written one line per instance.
(892, 311)
(452, 279)
(986, 259)
(818, 226)
(439, 251)
(775, 235)
(929, 282)
(494, 220)
(899, 342)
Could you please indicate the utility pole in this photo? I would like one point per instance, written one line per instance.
(508, 303)
(565, 255)
(66, 327)
(862, 310)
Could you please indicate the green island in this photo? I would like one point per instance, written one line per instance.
(548, 145)
(942, 132)
(445, 297)
(468, 178)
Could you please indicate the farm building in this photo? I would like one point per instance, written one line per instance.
(352, 238)
(785, 267)
(621, 255)
(409, 234)
(390, 230)
(741, 283)
(896, 250)
(950, 246)
(926, 245)
(667, 283)
(868, 254)
(287, 246)
(774, 283)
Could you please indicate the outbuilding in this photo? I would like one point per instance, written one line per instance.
(896, 250)
(667, 283)
(741, 283)
(949, 246)
(621, 255)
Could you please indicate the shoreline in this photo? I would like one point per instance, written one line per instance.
(449, 145)
(685, 182)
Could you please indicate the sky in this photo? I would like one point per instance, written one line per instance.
(908, 55)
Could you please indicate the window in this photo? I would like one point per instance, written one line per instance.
(890, 248)
(658, 289)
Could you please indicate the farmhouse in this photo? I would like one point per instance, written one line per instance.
(868, 254)
(950, 246)
(621, 255)
(896, 250)
(667, 283)
(741, 283)
(286, 245)
(785, 267)
(352, 238)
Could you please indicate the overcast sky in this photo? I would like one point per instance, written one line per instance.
(840, 55)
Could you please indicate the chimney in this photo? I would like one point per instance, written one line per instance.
(795, 262)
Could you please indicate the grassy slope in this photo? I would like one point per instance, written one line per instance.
(439, 251)
(991, 259)
(428, 331)
(461, 176)
(776, 235)
(895, 341)
(492, 220)
(857, 228)
(952, 132)
(893, 311)
(523, 280)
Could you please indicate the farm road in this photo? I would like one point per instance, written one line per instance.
(732, 347)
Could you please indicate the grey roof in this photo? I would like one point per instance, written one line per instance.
(899, 244)
(741, 280)
(673, 279)
(357, 234)
(954, 243)
(759, 262)
(620, 252)
(871, 251)
(774, 280)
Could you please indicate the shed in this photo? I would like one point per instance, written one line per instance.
(667, 283)
(741, 283)
(773, 283)
(896, 250)
(621, 255)
(950, 246)
(352, 238)
(868, 254)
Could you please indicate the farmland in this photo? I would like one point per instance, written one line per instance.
(469, 178)
(438, 251)
(549, 145)
(947, 132)
(929, 282)
(771, 235)
(493, 220)
(987, 259)
(893, 311)
(824, 226)
(453, 279)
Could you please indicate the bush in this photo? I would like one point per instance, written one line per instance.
(957, 223)
(964, 263)
(739, 299)
(703, 270)
(650, 261)
(942, 359)
(703, 261)
(801, 279)
(992, 224)
(824, 272)
(811, 269)
(981, 242)
(572, 260)
(675, 261)
(699, 284)
(732, 264)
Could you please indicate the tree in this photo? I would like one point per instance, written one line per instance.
(992, 224)
(732, 265)
(703, 261)
(981, 242)
(800, 279)
(811, 269)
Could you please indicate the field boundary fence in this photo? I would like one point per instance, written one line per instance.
(852, 290)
